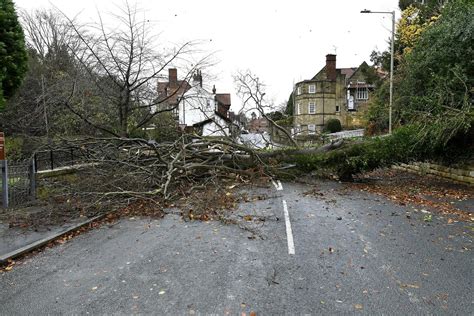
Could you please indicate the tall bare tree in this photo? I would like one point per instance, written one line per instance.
(37, 107)
(125, 64)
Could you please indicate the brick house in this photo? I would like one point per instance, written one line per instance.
(340, 93)
(258, 124)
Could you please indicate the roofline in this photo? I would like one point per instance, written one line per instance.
(323, 80)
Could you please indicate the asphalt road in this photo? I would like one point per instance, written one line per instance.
(353, 253)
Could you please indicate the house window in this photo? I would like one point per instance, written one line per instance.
(312, 88)
(298, 91)
(311, 129)
(298, 109)
(311, 107)
(338, 109)
(208, 105)
(362, 94)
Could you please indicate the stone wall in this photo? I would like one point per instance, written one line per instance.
(465, 176)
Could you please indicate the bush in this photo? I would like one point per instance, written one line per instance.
(166, 128)
(333, 126)
(287, 121)
(14, 148)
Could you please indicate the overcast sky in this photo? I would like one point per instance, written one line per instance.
(281, 41)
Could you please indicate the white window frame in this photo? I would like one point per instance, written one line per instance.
(208, 105)
(311, 129)
(298, 91)
(310, 104)
(362, 94)
(312, 88)
(298, 109)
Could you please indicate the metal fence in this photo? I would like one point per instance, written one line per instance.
(17, 182)
(18, 178)
(53, 159)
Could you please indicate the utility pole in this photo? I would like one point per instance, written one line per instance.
(391, 64)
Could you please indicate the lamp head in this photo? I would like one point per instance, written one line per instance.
(365, 11)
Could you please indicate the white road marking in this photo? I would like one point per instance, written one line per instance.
(275, 184)
(278, 186)
(289, 232)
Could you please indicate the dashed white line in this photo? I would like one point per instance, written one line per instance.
(278, 186)
(289, 232)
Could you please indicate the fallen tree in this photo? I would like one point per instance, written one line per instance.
(139, 168)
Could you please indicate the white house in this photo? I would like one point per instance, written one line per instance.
(204, 111)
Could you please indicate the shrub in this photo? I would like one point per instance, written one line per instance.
(333, 126)
(14, 148)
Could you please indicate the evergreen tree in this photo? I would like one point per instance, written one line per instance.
(13, 56)
(289, 105)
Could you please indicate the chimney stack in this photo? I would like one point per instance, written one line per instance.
(197, 77)
(331, 67)
(173, 76)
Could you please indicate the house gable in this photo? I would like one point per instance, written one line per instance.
(321, 75)
(359, 75)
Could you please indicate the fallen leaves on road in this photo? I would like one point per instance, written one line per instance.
(407, 188)
(248, 218)
(207, 204)
(313, 192)
(8, 266)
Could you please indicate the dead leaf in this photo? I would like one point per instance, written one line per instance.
(358, 306)
(248, 218)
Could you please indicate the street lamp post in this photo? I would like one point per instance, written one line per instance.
(391, 64)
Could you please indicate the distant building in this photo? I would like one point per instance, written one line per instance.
(239, 120)
(258, 124)
(333, 93)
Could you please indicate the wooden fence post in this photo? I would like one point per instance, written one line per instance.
(4, 183)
